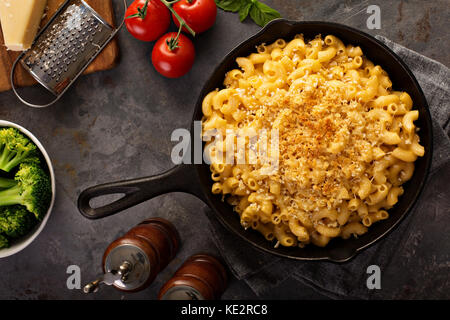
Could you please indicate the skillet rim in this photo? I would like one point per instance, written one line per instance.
(353, 249)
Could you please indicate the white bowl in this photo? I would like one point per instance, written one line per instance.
(23, 242)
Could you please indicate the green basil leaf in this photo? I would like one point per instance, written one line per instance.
(231, 5)
(263, 14)
(243, 12)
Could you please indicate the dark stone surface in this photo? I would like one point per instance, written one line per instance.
(117, 124)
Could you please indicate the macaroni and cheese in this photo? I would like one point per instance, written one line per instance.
(345, 141)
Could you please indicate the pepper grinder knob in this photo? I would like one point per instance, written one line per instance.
(91, 287)
(110, 277)
(124, 269)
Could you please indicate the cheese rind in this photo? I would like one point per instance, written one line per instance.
(20, 20)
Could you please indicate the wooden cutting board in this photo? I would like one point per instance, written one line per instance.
(105, 60)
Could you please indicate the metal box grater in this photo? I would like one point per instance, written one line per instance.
(65, 47)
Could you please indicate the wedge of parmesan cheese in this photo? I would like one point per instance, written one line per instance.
(20, 20)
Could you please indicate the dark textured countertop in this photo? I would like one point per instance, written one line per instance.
(117, 124)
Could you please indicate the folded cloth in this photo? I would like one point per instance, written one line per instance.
(413, 259)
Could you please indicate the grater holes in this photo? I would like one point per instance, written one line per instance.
(66, 58)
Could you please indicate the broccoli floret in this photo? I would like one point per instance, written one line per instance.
(16, 221)
(15, 148)
(32, 189)
(4, 243)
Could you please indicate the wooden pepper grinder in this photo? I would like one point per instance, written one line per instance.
(131, 263)
(201, 277)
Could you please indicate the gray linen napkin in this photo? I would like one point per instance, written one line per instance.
(413, 256)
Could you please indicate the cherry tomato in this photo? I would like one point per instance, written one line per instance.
(200, 15)
(173, 58)
(147, 20)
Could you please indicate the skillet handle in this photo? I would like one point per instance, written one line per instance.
(180, 178)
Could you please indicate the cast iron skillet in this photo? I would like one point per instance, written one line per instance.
(195, 179)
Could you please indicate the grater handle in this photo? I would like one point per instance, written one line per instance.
(125, 6)
(13, 86)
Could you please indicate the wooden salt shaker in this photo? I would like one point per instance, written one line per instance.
(201, 277)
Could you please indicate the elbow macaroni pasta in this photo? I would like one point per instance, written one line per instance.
(347, 141)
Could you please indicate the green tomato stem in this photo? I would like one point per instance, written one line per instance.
(173, 42)
(183, 23)
(141, 13)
